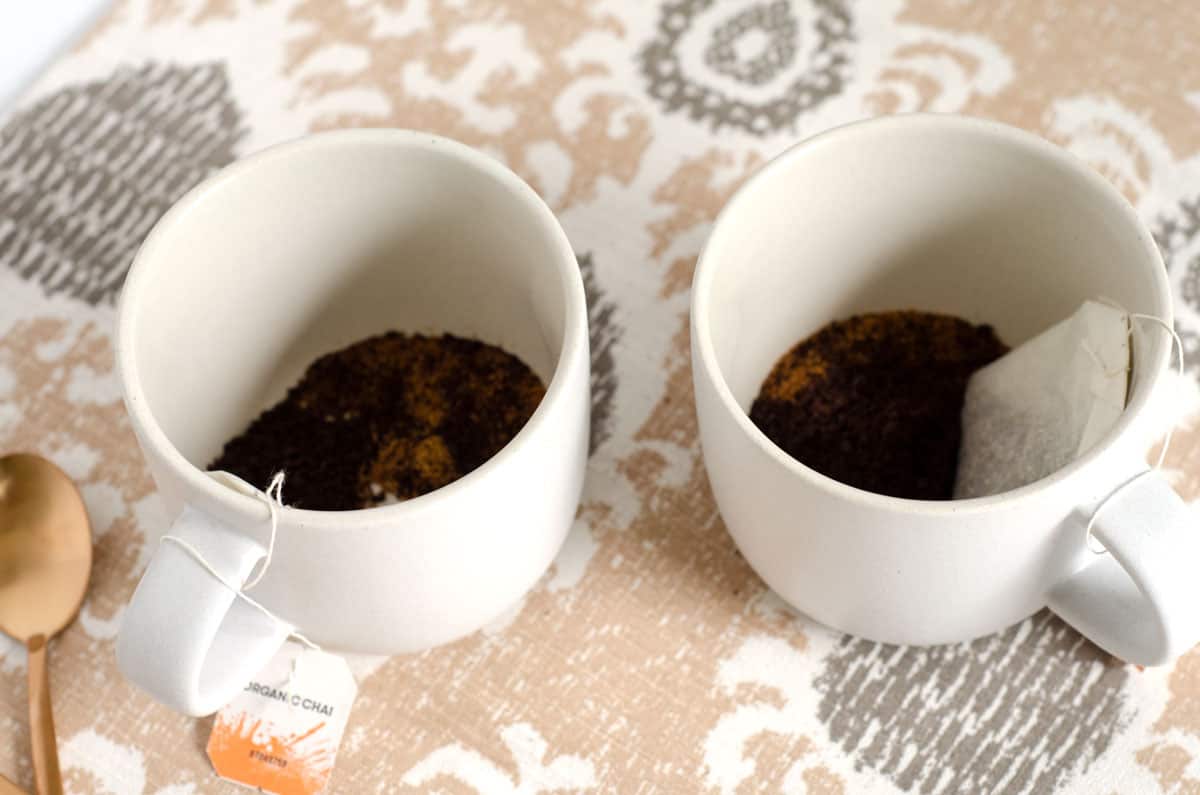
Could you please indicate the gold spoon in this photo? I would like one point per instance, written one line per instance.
(45, 560)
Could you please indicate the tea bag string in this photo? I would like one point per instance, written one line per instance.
(1177, 346)
(273, 497)
(274, 501)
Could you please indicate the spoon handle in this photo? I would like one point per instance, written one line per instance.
(41, 722)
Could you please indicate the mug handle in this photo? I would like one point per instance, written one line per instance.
(1138, 602)
(185, 637)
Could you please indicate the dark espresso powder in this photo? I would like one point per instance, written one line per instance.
(875, 401)
(388, 418)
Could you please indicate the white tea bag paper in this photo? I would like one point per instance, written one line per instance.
(1045, 403)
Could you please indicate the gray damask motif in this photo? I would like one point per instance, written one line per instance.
(604, 334)
(86, 171)
(1176, 235)
(775, 23)
(1020, 711)
(779, 26)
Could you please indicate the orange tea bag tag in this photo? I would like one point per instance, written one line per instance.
(281, 733)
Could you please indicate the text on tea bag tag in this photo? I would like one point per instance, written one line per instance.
(282, 732)
(1045, 403)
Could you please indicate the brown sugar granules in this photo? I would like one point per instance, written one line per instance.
(875, 401)
(388, 418)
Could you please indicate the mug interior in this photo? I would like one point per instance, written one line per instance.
(310, 247)
(944, 214)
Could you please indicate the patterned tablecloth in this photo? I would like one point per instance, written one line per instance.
(650, 658)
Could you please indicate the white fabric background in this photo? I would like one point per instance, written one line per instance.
(33, 33)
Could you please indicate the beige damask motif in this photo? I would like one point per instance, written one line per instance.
(1170, 761)
(521, 94)
(679, 513)
(158, 11)
(758, 742)
(1182, 462)
(695, 192)
(210, 9)
(535, 774)
(1136, 54)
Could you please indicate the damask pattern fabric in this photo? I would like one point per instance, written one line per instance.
(650, 658)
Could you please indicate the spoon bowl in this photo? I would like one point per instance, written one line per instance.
(45, 561)
(45, 547)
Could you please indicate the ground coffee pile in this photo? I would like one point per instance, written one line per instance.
(875, 401)
(388, 418)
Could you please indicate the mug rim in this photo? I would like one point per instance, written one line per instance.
(572, 353)
(1030, 143)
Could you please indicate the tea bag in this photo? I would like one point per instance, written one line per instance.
(1045, 403)
(281, 733)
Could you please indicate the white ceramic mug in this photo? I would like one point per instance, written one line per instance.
(995, 225)
(294, 252)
